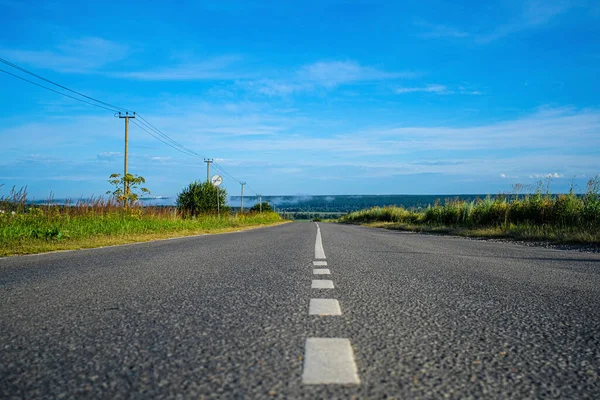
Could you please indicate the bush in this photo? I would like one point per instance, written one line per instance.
(265, 206)
(201, 198)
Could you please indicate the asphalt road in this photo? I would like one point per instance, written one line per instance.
(227, 316)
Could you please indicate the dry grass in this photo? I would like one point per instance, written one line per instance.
(522, 232)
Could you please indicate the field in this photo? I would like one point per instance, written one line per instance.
(564, 218)
(27, 228)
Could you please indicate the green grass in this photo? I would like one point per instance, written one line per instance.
(566, 218)
(26, 229)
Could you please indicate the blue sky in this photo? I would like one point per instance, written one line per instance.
(313, 97)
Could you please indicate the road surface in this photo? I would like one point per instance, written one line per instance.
(302, 311)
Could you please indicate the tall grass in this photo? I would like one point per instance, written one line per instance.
(540, 212)
(23, 224)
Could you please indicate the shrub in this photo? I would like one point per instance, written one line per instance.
(265, 206)
(201, 197)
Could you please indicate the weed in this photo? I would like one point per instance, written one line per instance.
(564, 217)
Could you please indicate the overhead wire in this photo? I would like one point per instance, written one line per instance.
(61, 86)
(220, 168)
(167, 137)
(163, 137)
(190, 153)
(144, 124)
(56, 91)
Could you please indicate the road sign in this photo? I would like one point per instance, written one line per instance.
(217, 180)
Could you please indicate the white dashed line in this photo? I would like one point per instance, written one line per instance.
(329, 361)
(321, 271)
(319, 252)
(324, 307)
(322, 284)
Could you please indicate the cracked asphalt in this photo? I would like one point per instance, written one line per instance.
(226, 316)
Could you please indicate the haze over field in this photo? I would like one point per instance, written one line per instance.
(324, 98)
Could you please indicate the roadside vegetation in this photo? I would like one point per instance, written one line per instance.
(26, 228)
(565, 218)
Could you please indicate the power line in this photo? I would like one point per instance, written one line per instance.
(164, 137)
(225, 172)
(144, 124)
(55, 91)
(167, 137)
(219, 167)
(188, 152)
(61, 86)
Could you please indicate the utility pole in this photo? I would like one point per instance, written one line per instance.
(125, 183)
(208, 161)
(259, 203)
(242, 204)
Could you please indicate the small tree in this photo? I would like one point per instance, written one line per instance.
(201, 197)
(126, 188)
(266, 207)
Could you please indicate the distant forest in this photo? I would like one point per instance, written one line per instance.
(349, 203)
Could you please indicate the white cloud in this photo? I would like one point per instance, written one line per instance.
(289, 170)
(438, 89)
(555, 175)
(529, 15)
(518, 148)
(533, 14)
(335, 73)
(84, 55)
(216, 68)
(271, 87)
(323, 75)
(109, 155)
(550, 139)
(160, 159)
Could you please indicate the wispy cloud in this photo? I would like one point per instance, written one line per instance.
(534, 13)
(530, 14)
(109, 155)
(335, 73)
(160, 159)
(548, 175)
(84, 55)
(551, 139)
(505, 150)
(321, 74)
(437, 89)
(271, 87)
(324, 75)
(216, 68)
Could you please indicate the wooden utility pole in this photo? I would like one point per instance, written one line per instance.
(125, 183)
(242, 204)
(259, 203)
(208, 161)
